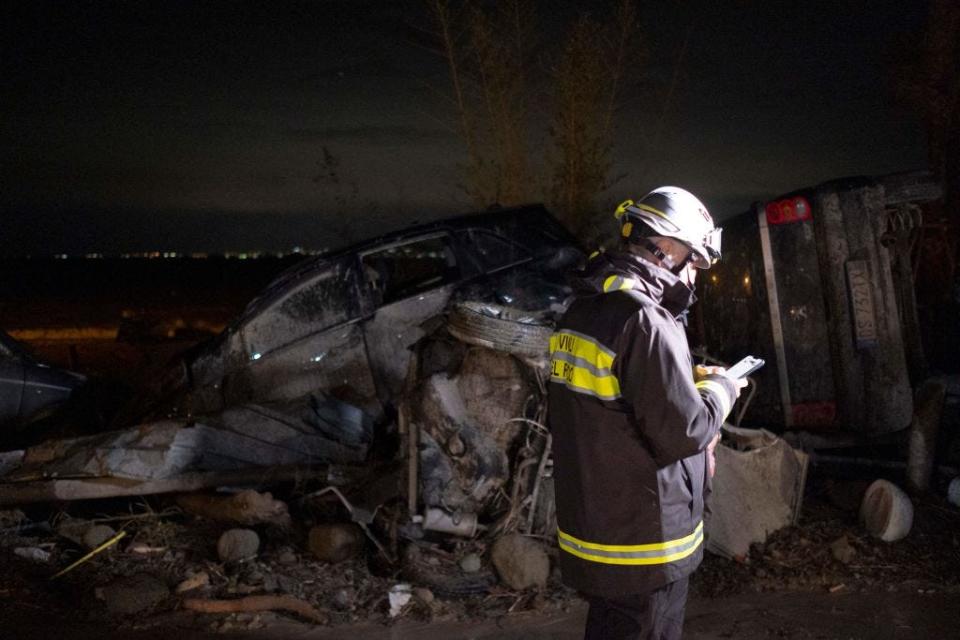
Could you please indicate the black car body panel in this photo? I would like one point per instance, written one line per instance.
(30, 390)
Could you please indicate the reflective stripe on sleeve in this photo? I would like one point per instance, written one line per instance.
(640, 554)
(719, 391)
(583, 365)
(617, 283)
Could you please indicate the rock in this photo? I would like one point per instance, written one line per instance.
(12, 518)
(73, 529)
(423, 595)
(238, 544)
(521, 562)
(343, 599)
(470, 563)
(97, 535)
(129, 595)
(33, 553)
(196, 581)
(288, 584)
(842, 550)
(287, 557)
(252, 576)
(335, 542)
(271, 583)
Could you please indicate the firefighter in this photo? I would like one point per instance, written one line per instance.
(632, 424)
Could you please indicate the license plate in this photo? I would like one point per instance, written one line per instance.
(861, 302)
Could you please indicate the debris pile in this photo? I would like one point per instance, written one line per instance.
(830, 549)
(456, 519)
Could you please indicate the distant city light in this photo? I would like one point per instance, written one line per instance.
(195, 255)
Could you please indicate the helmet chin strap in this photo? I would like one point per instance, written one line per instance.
(664, 257)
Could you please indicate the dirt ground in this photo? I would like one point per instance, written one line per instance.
(796, 585)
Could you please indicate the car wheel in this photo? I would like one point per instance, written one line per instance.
(502, 328)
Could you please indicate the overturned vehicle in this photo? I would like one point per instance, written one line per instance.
(428, 345)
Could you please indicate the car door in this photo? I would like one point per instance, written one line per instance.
(11, 386)
(45, 389)
(411, 281)
(304, 337)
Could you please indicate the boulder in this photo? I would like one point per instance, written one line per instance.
(520, 562)
(238, 544)
(335, 542)
(97, 535)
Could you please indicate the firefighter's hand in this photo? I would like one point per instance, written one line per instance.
(711, 456)
(700, 372)
(739, 383)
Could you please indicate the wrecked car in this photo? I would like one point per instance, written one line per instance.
(344, 322)
(30, 390)
(317, 368)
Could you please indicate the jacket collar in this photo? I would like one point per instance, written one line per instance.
(618, 271)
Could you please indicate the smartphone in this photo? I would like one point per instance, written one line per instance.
(745, 367)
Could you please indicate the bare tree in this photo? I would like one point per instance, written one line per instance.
(588, 79)
(486, 53)
(499, 44)
(488, 47)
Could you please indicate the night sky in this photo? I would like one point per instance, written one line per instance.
(131, 126)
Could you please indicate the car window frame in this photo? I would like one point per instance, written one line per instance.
(349, 262)
(376, 295)
(469, 245)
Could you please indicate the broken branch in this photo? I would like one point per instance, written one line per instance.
(252, 604)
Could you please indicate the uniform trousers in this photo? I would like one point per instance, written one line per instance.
(655, 615)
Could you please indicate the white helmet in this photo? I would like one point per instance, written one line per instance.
(674, 213)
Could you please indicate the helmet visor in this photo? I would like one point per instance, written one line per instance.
(711, 243)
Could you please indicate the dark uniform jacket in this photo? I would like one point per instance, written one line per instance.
(630, 427)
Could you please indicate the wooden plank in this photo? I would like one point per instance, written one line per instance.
(14, 493)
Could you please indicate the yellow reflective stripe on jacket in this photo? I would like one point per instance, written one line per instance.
(638, 554)
(583, 365)
(718, 390)
(617, 283)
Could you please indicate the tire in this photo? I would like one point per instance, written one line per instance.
(500, 328)
(446, 582)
